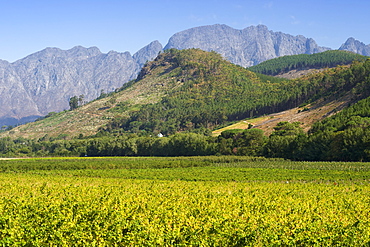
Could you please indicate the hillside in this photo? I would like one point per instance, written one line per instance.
(307, 115)
(207, 91)
(348, 85)
(194, 90)
(215, 92)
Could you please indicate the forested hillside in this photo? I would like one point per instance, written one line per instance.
(206, 91)
(345, 136)
(327, 59)
(210, 91)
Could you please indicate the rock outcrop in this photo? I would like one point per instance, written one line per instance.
(246, 47)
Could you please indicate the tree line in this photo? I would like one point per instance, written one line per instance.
(325, 59)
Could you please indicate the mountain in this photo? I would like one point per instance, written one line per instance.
(14, 100)
(246, 47)
(194, 90)
(356, 46)
(45, 81)
(147, 53)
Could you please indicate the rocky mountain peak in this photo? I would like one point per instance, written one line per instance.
(356, 46)
(81, 52)
(245, 47)
(148, 52)
(4, 63)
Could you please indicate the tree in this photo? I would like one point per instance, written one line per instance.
(188, 144)
(279, 146)
(251, 142)
(286, 141)
(287, 129)
(73, 103)
(81, 99)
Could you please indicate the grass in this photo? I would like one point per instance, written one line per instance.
(244, 124)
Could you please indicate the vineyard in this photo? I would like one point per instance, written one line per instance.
(183, 201)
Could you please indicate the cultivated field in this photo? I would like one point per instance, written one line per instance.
(185, 201)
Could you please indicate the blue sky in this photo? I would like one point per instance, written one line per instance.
(28, 26)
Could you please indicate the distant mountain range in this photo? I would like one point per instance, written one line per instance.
(44, 82)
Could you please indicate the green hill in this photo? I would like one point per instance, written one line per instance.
(210, 91)
(327, 59)
(206, 91)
